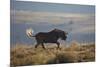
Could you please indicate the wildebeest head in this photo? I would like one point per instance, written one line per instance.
(61, 34)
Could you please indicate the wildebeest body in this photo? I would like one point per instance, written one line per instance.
(46, 37)
(49, 37)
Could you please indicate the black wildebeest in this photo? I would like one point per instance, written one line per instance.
(48, 37)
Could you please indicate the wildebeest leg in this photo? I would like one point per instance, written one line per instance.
(37, 45)
(43, 46)
(58, 44)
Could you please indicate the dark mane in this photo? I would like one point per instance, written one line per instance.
(55, 30)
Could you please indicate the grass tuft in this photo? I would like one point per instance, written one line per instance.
(22, 55)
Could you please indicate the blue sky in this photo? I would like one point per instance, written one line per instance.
(46, 16)
(51, 7)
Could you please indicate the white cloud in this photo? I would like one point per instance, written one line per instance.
(50, 17)
(90, 29)
(82, 23)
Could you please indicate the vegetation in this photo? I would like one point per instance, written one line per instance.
(28, 55)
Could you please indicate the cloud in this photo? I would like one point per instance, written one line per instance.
(81, 23)
(49, 17)
(84, 30)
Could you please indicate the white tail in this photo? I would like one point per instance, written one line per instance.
(29, 32)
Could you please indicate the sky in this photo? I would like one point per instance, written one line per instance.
(78, 20)
(49, 7)
(50, 12)
(54, 14)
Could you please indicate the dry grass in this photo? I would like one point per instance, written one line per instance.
(28, 55)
